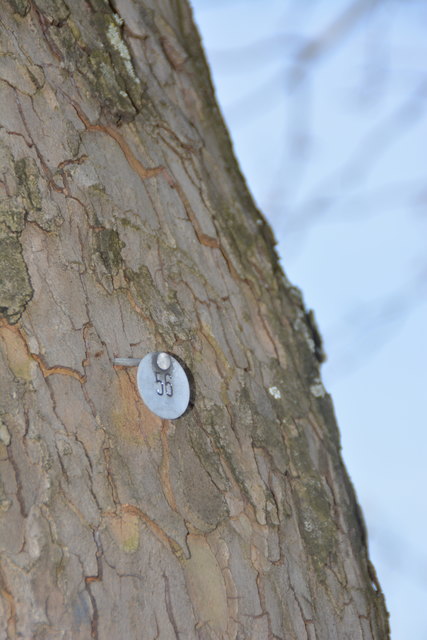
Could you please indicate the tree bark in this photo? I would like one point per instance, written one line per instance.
(125, 228)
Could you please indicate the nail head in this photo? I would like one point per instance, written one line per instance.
(163, 361)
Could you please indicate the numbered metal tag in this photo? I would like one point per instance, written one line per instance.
(163, 385)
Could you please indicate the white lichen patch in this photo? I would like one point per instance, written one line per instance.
(300, 324)
(275, 392)
(115, 37)
(118, 19)
(308, 525)
(4, 434)
(318, 390)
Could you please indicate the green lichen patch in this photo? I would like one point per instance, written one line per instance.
(170, 319)
(23, 194)
(109, 246)
(15, 285)
(302, 463)
(315, 509)
(315, 518)
(12, 214)
(28, 203)
(142, 283)
(21, 7)
(27, 174)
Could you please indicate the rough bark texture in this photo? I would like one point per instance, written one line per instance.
(126, 227)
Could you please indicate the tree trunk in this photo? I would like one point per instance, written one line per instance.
(127, 228)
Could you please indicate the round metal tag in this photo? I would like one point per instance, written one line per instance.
(163, 385)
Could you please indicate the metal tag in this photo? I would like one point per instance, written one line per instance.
(163, 385)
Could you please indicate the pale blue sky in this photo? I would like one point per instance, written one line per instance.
(337, 163)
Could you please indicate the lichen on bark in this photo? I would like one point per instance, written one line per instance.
(15, 285)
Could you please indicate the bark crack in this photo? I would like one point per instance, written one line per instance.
(164, 468)
(169, 609)
(159, 533)
(57, 369)
(95, 578)
(12, 616)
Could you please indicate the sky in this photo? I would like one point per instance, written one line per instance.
(326, 107)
